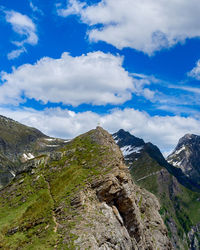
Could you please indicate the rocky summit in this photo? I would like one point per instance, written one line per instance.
(186, 157)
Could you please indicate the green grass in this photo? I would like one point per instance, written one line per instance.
(145, 166)
(189, 201)
(26, 205)
(183, 206)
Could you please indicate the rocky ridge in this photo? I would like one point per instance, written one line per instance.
(85, 199)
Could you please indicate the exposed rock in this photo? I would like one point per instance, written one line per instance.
(194, 237)
(123, 215)
(186, 157)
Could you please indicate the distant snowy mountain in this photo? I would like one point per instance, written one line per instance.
(129, 144)
(186, 157)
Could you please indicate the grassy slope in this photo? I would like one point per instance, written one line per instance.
(16, 134)
(145, 166)
(27, 205)
(183, 206)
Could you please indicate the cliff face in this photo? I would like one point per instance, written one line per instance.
(80, 197)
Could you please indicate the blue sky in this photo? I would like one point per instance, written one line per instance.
(68, 65)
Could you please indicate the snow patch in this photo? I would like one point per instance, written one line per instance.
(12, 173)
(49, 145)
(127, 150)
(177, 164)
(179, 150)
(28, 156)
(67, 140)
(116, 139)
(50, 139)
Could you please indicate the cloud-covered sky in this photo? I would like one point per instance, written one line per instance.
(67, 65)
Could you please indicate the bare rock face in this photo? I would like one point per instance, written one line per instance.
(122, 217)
(194, 236)
(116, 213)
(186, 157)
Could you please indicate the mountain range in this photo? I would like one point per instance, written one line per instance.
(86, 193)
(177, 192)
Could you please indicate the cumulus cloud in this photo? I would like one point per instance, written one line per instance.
(95, 78)
(24, 27)
(164, 131)
(148, 25)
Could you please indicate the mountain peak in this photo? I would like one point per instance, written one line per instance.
(124, 138)
(85, 199)
(186, 156)
(187, 138)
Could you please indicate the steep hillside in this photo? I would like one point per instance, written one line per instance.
(80, 197)
(19, 144)
(16, 138)
(6, 171)
(180, 206)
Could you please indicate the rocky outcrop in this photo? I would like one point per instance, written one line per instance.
(123, 216)
(194, 237)
(117, 214)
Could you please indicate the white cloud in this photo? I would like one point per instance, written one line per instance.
(190, 89)
(164, 131)
(15, 53)
(23, 26)
(148, 25)
(95, 78)
(187, 88)
(195, 72)
(73, 8)
(35, 8)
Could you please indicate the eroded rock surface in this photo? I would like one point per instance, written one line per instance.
(116, 213)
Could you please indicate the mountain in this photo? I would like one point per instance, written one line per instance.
(133, 147)
(15, 137)
(178, 195)
(186, 157)
(80, 196)
(19, 144)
